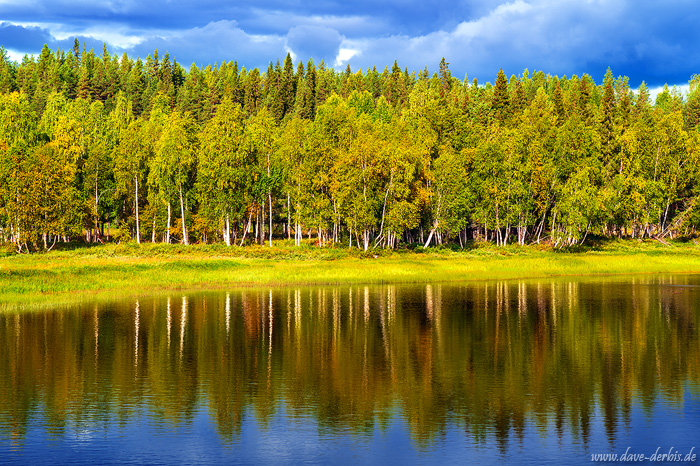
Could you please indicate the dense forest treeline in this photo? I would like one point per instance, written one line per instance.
(364, 158)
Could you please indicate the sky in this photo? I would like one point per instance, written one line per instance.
(647, 40)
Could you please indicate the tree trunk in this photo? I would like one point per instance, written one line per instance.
(136, 201)
(335, 223)
(185, 239)
(381, 227)
(247, 227)
(167, 230)
(269, 196)
(289, 219)
(97, 219)
(227, 231)
(262, 223)
(430, 236)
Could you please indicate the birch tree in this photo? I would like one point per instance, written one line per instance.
(175, 160)
(223, 169)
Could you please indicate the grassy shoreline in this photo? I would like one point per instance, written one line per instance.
(124, 270)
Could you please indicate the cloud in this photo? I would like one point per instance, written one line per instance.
(29, 40)
(343, 56)
(319, 42)
(216, 42)
(23, 39)
(643, 39)
(260, 17)
(280, 21)
(559, 37)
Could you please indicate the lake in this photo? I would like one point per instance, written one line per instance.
(521, 372)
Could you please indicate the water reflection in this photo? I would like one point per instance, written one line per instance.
(491, 359)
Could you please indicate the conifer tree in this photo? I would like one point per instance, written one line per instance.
(7, 73)
(310, 103)
(584, 99)
(692, 105)
(287, 86)
(445, 77)
(558, 101)
(607, 117)
(500, 104)
(252, 91)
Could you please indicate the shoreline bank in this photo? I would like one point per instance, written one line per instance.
(112, 270)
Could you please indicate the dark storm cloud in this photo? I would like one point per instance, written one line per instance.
(644, 39)
(399, 16)
(23, 39)
(30, 40)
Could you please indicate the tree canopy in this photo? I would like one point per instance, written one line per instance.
(362, 158)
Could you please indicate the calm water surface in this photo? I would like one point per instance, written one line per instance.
(533, 372)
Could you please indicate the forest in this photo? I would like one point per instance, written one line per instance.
(94, 147)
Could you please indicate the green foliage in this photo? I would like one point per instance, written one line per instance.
(361, 158)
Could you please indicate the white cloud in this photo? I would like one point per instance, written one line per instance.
(344, 54)
(14, 56)
(655, 91)
(115, 35)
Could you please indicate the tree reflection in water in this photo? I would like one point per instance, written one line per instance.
(490, 358)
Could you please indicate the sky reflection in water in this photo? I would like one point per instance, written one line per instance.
(520, 372)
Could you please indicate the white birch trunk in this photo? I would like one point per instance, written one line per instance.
(227, 231)
(136, 201)
(167, 230)
(185, 239)
(262, 224)
(289, 219)
(430, 236)
(247, 227)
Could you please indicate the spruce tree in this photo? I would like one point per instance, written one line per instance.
(558, 102)
(445, 77)
(287, 86)
(691, 111)
(252, 91)
(519, 101)
(7, 73)
(500, 105)
(607, 117)
(584, 99)
(310, 104)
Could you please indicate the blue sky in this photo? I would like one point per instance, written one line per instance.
(651, 40)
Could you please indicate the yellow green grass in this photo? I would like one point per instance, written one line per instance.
(124, 270)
